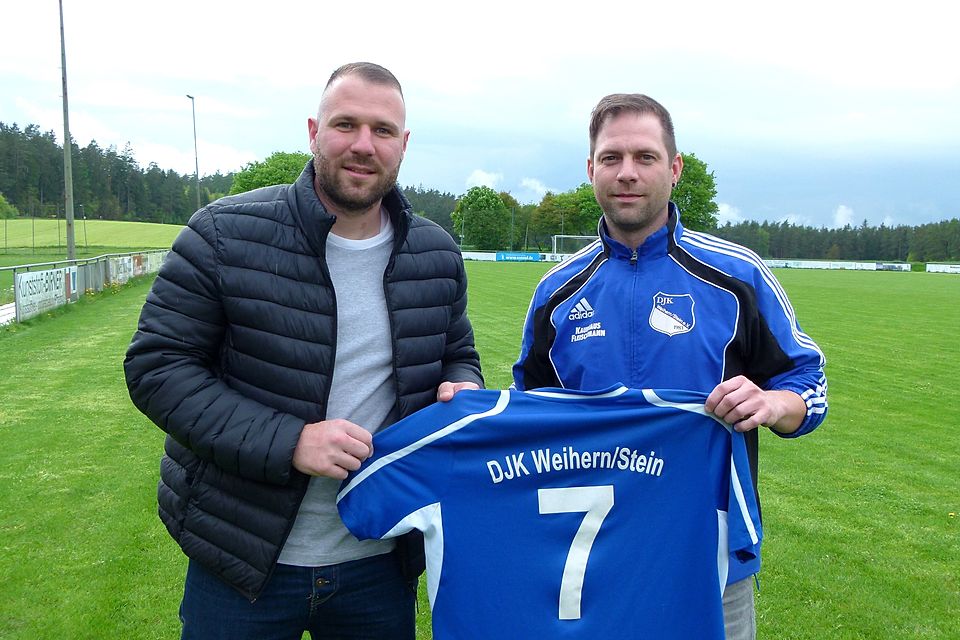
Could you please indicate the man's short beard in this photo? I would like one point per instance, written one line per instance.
(346, 203)
(640, 219)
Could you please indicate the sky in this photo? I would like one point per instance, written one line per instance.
(817, 113)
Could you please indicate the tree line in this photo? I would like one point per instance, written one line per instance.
(487, 220)
(107, 184)
(110, 185)
(931, 242)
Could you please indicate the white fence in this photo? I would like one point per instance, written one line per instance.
(40, 287)
(518, 256)
(943, 268)
(837, 264)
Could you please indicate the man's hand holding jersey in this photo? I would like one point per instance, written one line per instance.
(334, 448)
(741, 403)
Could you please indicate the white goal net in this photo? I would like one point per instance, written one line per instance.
(571, 244)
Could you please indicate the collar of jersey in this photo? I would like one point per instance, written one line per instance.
(576, 394)
(657, 244)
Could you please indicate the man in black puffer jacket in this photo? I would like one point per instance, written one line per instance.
(286, 326)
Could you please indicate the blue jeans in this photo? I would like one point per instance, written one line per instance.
(739, 612)
(362, 599)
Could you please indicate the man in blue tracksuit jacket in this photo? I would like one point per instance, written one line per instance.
(650, 304)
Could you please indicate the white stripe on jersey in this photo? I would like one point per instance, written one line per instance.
(501, 404)
(742, 502)
(654, 399)
(651, 397)
(816, 399)
(613, 393)
(429, 520)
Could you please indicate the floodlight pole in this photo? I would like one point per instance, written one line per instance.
(67, 149)
(196, 159)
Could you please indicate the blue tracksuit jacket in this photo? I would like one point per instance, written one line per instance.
(686, 310)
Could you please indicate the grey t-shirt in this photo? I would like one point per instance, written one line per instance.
(362, 391)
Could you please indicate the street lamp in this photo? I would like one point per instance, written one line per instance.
(196, 159)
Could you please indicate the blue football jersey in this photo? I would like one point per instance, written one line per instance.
(564, 514)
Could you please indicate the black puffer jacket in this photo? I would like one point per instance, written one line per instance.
(234, 353)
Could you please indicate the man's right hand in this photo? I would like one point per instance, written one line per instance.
(332, 448)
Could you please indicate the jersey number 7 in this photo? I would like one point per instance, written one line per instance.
(596, 503)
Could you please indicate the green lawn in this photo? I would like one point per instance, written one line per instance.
(42, 234)
(862, 533)
(863, 537)
(82, 553)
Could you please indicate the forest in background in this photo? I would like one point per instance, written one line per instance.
(109, 184)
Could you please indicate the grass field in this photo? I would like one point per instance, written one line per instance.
(33, 241)
(20, 234)
(862, 532)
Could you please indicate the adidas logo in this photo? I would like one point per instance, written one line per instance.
(581, 311)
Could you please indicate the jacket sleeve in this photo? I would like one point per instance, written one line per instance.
(805, 374)
(461, 362)
(172, 368)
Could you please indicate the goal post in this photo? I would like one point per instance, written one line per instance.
(565, 244)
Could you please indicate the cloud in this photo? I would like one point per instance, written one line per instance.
(504, 114)
(481, 178)
(532, 190)
(797, 220)
(728, 213)
(842, 216)
(535, 187)
(210, 156)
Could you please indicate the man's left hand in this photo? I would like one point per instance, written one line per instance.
(740, 402)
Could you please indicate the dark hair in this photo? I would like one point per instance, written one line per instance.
(372, 73)
(617, 103)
